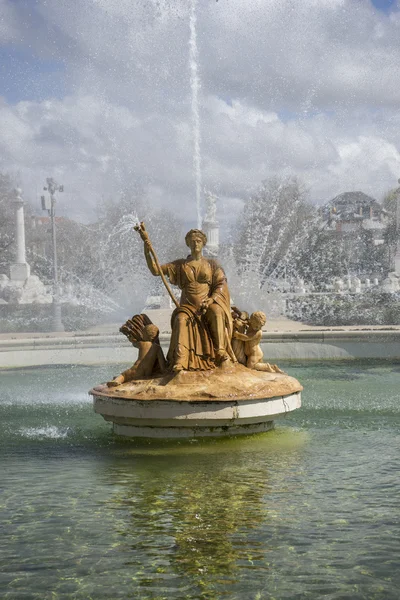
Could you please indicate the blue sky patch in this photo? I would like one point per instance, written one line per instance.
(384, 5)
(26, 77)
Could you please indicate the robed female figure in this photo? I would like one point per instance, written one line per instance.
(202, 323)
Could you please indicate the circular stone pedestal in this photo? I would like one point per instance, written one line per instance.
(228, 401)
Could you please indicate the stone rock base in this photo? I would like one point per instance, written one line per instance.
(28, 291)
(229, 382)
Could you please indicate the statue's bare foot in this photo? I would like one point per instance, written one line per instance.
(177, 368)
(116, 381)
(226, 365)
(221, 356)
(112, 383)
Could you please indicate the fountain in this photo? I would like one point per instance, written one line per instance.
(213, 382)
(195, 88)
(309, 510)
(211, 225)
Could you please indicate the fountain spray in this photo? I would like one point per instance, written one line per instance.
(195, 88)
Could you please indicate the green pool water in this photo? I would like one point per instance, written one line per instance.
(310, 510)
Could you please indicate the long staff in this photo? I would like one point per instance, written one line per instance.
(141, 229)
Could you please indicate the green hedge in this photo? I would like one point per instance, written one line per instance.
(38, 317)
(368, 308)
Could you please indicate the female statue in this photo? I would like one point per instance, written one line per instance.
(202, 323)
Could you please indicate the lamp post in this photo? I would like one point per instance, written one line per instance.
(49, 205)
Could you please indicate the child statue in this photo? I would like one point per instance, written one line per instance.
(143, 334)
(251, 342)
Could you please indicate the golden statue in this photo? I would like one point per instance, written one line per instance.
(206, 331)
(246, 341)
(144, 335)
(240, 323)
(202, 322)
(213, 382)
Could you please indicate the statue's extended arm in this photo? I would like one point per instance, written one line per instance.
(149, 254)
(150, 261)
(244, 337)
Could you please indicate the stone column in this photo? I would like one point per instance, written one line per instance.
(20, 270)
(210, 225)
(212, 232)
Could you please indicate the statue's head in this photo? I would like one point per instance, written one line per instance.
(195, 236)
(257, 320)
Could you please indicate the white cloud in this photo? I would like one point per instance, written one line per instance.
(309, 88)
(8, 22)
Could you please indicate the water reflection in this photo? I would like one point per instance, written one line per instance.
(203, 508)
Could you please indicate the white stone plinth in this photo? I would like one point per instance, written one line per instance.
(211, 229)
(228, 400)
(19, 271)
(177, 419)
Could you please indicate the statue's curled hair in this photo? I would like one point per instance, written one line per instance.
(195, 232)
(259, 317)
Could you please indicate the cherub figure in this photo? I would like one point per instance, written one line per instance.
(143, 334)
(252, 348)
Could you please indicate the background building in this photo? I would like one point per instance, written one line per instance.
(353, 212)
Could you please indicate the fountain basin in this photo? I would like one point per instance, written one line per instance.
(217, 403)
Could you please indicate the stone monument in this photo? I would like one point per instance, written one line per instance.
(213, 380)
(21, 287)
(20, 270)
(211, 225)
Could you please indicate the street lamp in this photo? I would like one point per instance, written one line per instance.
(49, 205)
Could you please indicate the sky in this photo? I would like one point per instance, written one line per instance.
(96, 93)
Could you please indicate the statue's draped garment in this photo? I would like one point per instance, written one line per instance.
(193, 333)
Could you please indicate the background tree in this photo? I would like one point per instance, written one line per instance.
(7, 222)
(391, 234)
(322, 257)
(119, 250)
(272, 225)
(102, 264)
